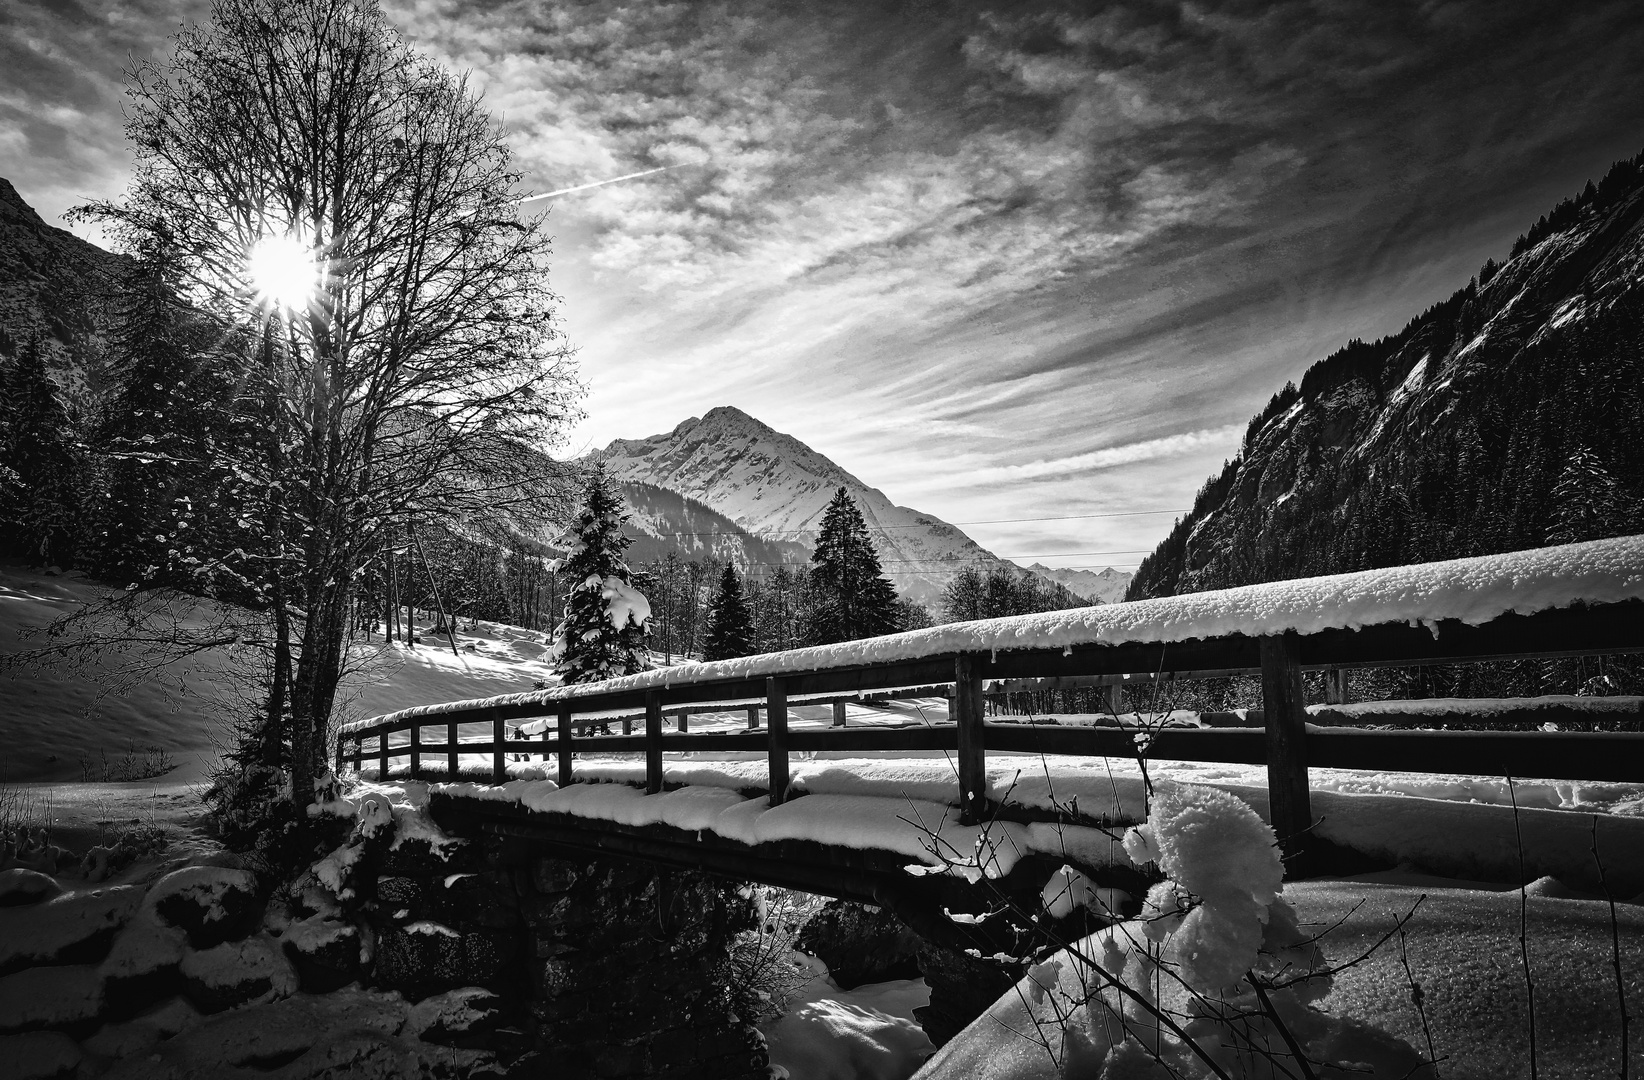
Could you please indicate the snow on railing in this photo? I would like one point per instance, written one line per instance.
(1567, 600)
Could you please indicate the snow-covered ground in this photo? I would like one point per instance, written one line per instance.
(55, 716)
(1461, 832)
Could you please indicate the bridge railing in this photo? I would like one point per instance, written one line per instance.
(1537, 606)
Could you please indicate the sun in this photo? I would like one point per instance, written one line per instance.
(282, 271)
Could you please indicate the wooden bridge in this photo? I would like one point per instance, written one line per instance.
(1577, 600)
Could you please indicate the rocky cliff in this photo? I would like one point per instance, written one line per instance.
(1508, 416)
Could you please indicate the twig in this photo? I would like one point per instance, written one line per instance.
(1398, 926)
(1523, 924)
(1284, 1029)
(1615, 953)
(1417, 995)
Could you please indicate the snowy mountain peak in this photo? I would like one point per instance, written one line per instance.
(775, 487)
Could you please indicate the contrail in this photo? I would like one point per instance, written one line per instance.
(599, 183)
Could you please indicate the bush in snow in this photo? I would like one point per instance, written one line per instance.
(250, 806)
(605, 616)
(1214, 978)
(766, 969)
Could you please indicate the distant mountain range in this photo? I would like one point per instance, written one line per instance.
(1104, 586)
(743, 490)
(1509, 416)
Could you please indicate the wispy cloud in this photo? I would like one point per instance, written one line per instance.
(955, 246)
(1110, 457)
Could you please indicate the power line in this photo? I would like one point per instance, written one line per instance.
(1060, 517)
(928, 525)
(1013, 558)
(965, 566)
(1084, 566)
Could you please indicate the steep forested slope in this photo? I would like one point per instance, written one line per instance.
(1508, 416)
(55, 289)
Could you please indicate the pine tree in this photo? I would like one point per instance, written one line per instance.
(156, 435)
(605, 616)
(40, 463)
(850, 597)
(1588, 503)
(730, 622)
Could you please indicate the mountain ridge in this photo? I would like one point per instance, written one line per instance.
(1507, 416)
(776, 487)
(55, 288)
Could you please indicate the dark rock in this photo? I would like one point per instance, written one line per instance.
(212, 904)
(324, 952)
(614, 1062)
(860, 944)
(141, 968)
(67, 998)
(77, 928)
(481, 900)
(553, 876)
(144, 1031)
(414, 857)
(39, 1055)
(237, 972)
(962, 987)
(20, 885)
(450, 1017)
(421, 959)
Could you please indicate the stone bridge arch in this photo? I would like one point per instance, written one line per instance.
(607, 943)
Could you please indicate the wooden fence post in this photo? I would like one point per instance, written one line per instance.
(1285, 711)
(684, 720)
(499, 736)
(627, 725)
(359, 753)
(564, 743)
(839, 714)
(753, 717)
(1335, 686)
(338, 770)
(451, 739)
(653, 742)
(1113, 696)
(776, 725)
(971, 751)
(382, 755)
(416, 757)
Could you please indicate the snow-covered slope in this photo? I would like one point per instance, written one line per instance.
(52, 717)
(664, 521)
(776, 487)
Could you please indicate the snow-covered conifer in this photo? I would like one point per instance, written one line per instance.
(605, 616)
(1588, 503)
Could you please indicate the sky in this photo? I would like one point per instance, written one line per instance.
(1009, 260)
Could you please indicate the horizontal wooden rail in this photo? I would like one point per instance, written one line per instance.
(1551, 755)
(1283, 735)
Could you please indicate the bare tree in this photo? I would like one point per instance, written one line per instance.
(343, 208)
